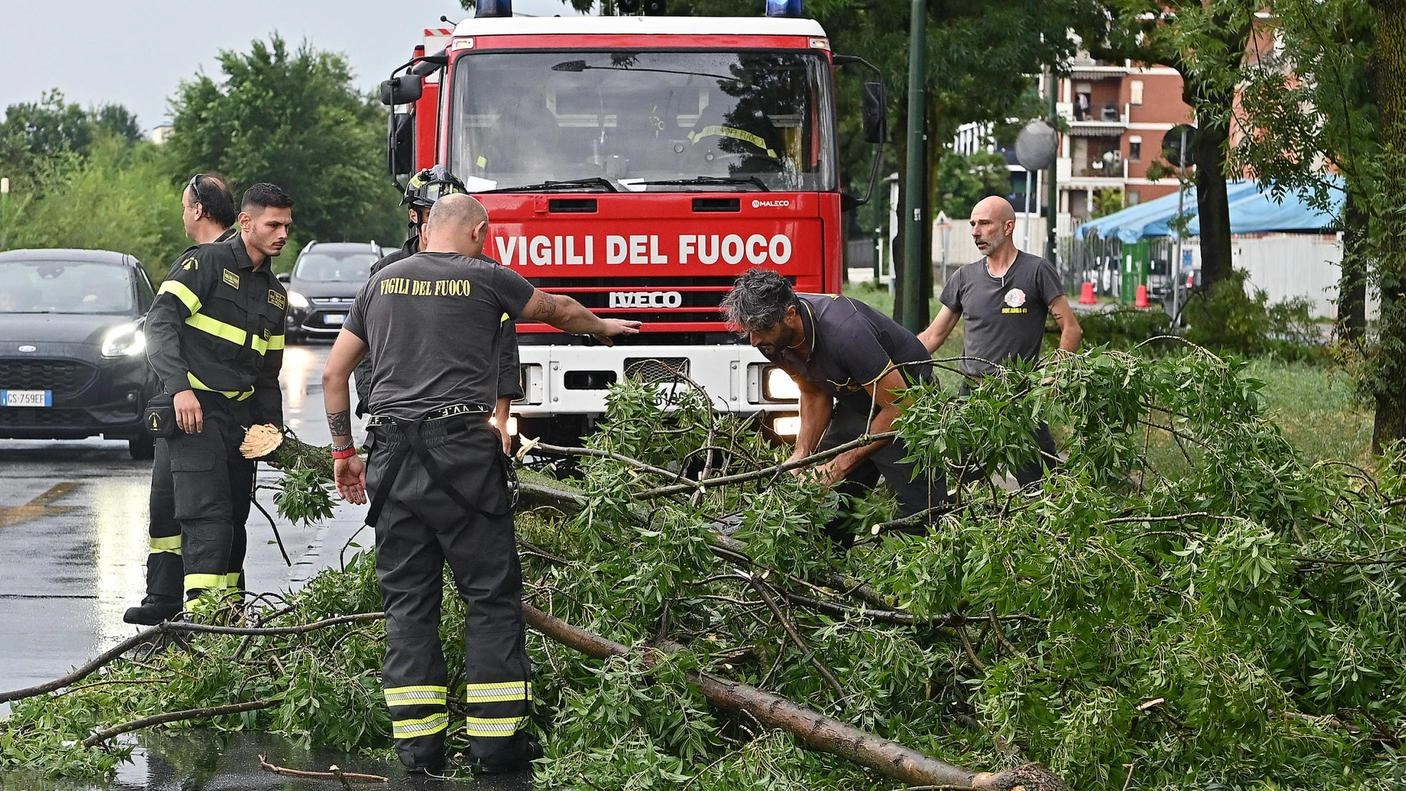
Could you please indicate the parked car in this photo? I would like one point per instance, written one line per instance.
(72, 346)
(323, 283)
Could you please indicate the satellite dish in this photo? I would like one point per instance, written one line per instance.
(1035, 146)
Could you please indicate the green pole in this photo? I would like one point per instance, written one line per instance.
(914, 307)
(1052, 193)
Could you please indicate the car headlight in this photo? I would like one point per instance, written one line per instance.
(124, 340)
(779, 386)
(296, 300)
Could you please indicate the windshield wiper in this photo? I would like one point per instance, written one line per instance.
(564, 186)
(695, 180)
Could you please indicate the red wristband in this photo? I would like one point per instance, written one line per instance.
(344, 454)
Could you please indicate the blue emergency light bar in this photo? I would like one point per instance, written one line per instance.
(493, 8)
(784, 8)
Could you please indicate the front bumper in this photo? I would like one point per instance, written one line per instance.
(90, 396)
(322, 318)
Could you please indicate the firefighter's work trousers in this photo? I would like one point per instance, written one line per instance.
(200, 494)
(915, 494)
(430, 472)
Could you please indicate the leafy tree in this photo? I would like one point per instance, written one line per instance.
(47, 127)
(117, 121)
(1388, 361)
(1309, 101)
(1107, 201)
(294, 119)
(963, 180)
(33, 133)
(117, 198)
(1205, 42)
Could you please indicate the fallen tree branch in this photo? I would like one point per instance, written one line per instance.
(147, 635)
(536, 491)
(334, 773)
(790, 628)
(766, 472)
(175, 716)
(816, 731)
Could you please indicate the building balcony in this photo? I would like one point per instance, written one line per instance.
(1097, 174)
(1083, 67)
(1108, 120)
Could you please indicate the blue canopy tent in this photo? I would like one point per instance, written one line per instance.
(1155, 217)
(1251, 211)
(1259, 213)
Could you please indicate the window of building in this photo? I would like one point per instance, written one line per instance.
(1135, 91)
(1134, 148)
(1134, 197)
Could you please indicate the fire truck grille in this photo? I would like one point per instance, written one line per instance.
(656, 370)
(651, 300)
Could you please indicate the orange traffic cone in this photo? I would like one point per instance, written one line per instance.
(1140, 301)
(1086, 294)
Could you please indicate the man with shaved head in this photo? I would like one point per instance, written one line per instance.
(1005, 298)
(439, 482)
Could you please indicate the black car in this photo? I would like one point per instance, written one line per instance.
(72, 348)
(324, 280)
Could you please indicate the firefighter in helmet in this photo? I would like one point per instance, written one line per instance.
(421, 192)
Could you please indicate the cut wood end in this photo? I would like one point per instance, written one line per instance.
(1026, 777)
(260, 441)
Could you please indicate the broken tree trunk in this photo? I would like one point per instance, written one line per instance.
(815, 730)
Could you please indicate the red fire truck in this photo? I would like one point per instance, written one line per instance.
(638, 164)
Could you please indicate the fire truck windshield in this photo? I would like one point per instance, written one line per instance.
(644, 121)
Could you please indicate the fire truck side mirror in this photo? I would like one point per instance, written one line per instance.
(875, 113)
(400, 150)
(401, 90)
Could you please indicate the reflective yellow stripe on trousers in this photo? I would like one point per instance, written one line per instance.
(171, 544)
(424, 726)
(495, 726)
(428, 695)
(501, 692)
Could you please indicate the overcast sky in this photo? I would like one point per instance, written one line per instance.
(136, 53)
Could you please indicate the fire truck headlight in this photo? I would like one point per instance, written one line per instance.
(777, 385)
(786, 426)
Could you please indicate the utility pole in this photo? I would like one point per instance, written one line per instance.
(915, 302)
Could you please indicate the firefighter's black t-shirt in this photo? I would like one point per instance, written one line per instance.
(434, 322)
(853, 346)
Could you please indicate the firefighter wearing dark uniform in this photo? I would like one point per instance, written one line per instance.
(215, 335)
(439, 481)
(849, 362)
(423, 189)
(208, 215)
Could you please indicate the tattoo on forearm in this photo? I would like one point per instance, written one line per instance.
(340, 423)
(547, 307)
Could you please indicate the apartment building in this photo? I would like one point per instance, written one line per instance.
(1115, 115)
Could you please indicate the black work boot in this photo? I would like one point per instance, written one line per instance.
(517, 758)
(152, 611)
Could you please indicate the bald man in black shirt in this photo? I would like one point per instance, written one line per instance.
(439, 482)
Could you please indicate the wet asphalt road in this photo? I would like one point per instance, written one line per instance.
(73, 518)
